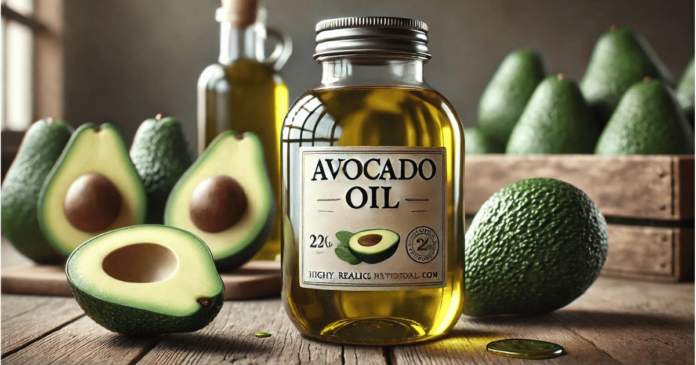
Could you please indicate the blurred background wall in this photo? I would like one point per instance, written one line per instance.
(128, 60)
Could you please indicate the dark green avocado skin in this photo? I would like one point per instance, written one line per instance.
(41, 147)
(506, 95)
(476, 143)
(647, 121)
(556, 120)
(620, 58)
(685, 91)
(535, 246)
(140, 322)
(161, 154)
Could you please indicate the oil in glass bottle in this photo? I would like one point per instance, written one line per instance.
(372, 198)
(244, 91)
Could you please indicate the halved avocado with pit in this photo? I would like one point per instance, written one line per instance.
(226, 199)
(146, 280)
(374, 245)
(92, 189)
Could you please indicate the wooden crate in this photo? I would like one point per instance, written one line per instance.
(651, 196)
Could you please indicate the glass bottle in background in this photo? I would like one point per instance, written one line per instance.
(244, 91)
(372, 197)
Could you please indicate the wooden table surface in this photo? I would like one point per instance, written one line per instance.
(615, 322)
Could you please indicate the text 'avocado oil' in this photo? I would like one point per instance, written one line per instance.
(372, 191)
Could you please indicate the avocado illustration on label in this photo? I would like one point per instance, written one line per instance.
(343, 251)
(374, 245)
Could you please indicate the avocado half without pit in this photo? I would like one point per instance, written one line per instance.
(92, 188)
(225, 198)
(374, 245)
(146, 280)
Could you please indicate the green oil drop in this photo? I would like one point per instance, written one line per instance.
(525, 349)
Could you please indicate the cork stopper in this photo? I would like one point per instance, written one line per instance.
(241, 13)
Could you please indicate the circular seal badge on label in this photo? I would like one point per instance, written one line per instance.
(422, 244)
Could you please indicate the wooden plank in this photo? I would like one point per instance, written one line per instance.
(616, 321)
(640, 252)
(467, 343)
(636, 323)
(684, 186)
(230, 339)
(255, 279)
(83, 342)
(641, 187)
(27, 318)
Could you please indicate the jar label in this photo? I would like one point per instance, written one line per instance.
(373, 218)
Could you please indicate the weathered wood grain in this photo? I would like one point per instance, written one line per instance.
(83, 342)
(616, 321)
(230, 339)
(641, 252)
(642, 187)
(636, 323)
(27, 318)
(467, 343)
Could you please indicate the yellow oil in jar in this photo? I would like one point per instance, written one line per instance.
(373, 116)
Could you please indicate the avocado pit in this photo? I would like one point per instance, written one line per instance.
(217, 203)
(370, 240)
(92, 202)
(141, 263)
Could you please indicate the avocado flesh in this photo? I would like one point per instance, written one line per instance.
(90, 150)
(374, 249)
(476, 143)
(161, 154)
(685, 91)
(40, 149)
(621, 57)
(556, 120)
(508, 92)
(147, 308)
(648, 120)
(243, 160)
(534, 246)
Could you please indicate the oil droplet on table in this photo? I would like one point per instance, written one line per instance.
(525, 349)
(262, 334)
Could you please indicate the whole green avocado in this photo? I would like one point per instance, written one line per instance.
(476, 143)
(40, 149)
(506, 95)
(556, 120)
(647, 121)
(685, 91)
(621, 57)
(534, 246)
(161, 154)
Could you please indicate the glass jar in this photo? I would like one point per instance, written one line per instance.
(372, 191)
